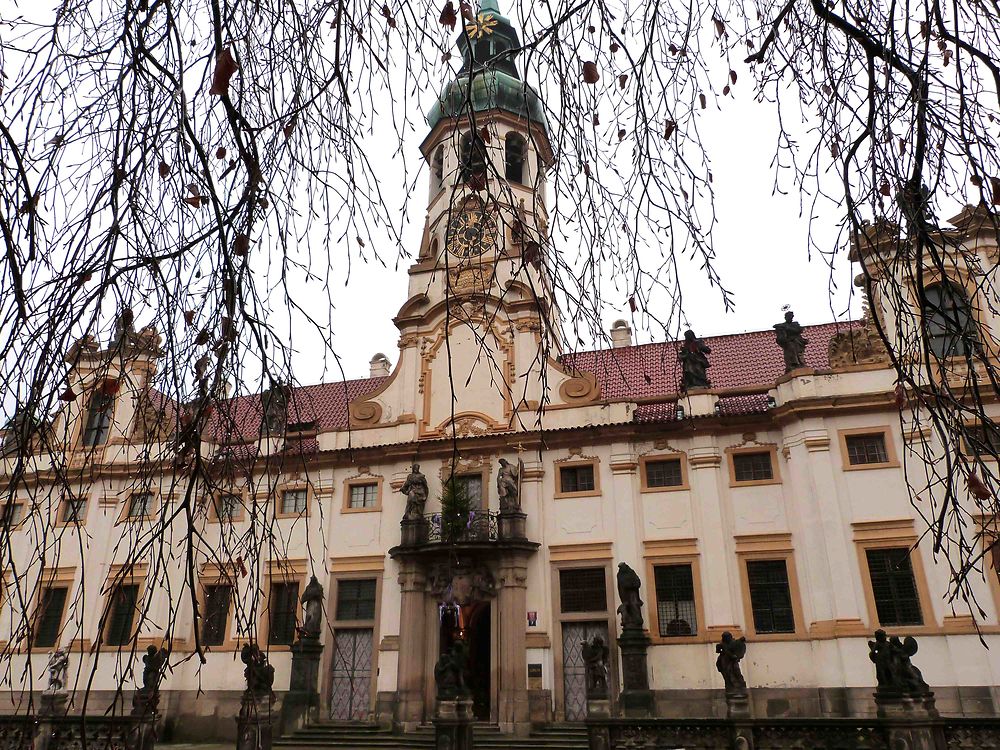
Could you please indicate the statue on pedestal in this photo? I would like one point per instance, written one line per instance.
(693, 356)
(58, 665)
(793, 344)
(630, 608)
(508, 488)
(312, 610)
(258, 673)
(894, 672)
(415, 489)
(449, 673)
(152, 670)
(731, 650)
(595, 657)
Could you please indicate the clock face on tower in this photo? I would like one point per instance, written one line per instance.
(471, 231)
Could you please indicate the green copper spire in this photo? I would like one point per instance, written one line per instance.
(488, 78)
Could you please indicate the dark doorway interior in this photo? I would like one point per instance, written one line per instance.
(473, 624)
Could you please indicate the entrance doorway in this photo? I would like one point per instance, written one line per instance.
(351, 677)
(574, 669)
(472, 623)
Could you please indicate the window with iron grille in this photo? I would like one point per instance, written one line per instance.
(472, 485)
(981, 440)
(583, 590)
(675, 610)
(752, 467)
(217, 601)
(74, 509)
(123, 603)
(576, 478)
(770, 597)
(98, 424)
(364, 495)
(293, 501)
(664, 473)
(50, 616)
(866, 449)
(140, 505)
(893, 586)
(283, 604)
(356, 599)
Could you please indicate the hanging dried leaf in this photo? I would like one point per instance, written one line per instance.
(220, 152)
(976, 180)
(241, 245)
(448, 15)
(622, 79)
(720, 26)
(262, 202)
(669, 127)
(164, 169)
(725, 90)
(884, 188)
(673, 49)
(591, 29)
(68, 395)
(203, 337)
(188, 317)
(825, 88)
(225, 67)
(446, 57)
(484, 134)
(621, 134)
(702, 100)
(361, 242)
(201, 365)
(586, 169)
(595, 120)
(732, 76)
(900, 396)
(476, 181)
(979, 490)
(614, 47)
(631, 303)
(466, 10)
(289, 127)
(388, 16)
(995, 188)
(195, 198)
(924, 29)
(590, 74)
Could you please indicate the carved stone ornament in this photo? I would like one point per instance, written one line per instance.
(259, 675)
(365, 412)
(894, 672)
(581, 388)
(857, 346)
(461, 585)
(150, 420)
(57, 667)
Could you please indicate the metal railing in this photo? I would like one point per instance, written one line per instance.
(476, 526)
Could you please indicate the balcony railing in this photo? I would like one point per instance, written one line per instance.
(476, 526)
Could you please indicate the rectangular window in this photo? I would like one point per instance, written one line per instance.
(122, 617)
(981, 440)
(11, 514)
(50, 615)
(364, 495)
(675, 608)
(576, 478)
(356, 599)
(228, 507)
(217, 600)
(770, 597)
(73, 509)
(472, 485)
(95, 432)
(140, 505)
(583, 590)
(866, 449)
(893, 586)
(752, 467)
(293, 501)
(665, 473)
(283, 603)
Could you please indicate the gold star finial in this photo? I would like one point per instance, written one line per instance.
(483, 25)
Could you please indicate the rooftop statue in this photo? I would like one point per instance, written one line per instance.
(792, 343)
(693, 356)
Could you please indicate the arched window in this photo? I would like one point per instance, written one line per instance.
(438, 167)
(473, 157)
(948, 320)
(514, 151)
(98, 425)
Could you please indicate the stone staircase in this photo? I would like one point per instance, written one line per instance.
(361, 736)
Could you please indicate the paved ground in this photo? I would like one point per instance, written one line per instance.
(194, 746)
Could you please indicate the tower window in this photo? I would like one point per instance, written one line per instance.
(98, 418)
(437, 167)
(948, 320)
(473, 157)
(514, 151)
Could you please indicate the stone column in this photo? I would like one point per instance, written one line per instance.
(412, 664)
(511, 601)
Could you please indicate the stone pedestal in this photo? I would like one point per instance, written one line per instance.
(911, 719)
(300, 705)
(636, 698)
(737, 704)
(512, 524)
(412, 532)
(254, 726)
(52, 705)
(598, 708)
(412, 646)
(453, 725)
(145, 705)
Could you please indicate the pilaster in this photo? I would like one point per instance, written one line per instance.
(412, 646)
(513, 709)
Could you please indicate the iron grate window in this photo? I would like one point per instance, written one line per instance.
(665, 473)
(50, 616)
(866, 449)
(675, 608)
(893, 586)
(283, 605)
(576, 478)
(217, 601)
(583, 590)
(356, 599)
(770, 598)
(123, 607)
(752, 467)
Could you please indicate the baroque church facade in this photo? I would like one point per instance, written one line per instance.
(771, 504)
